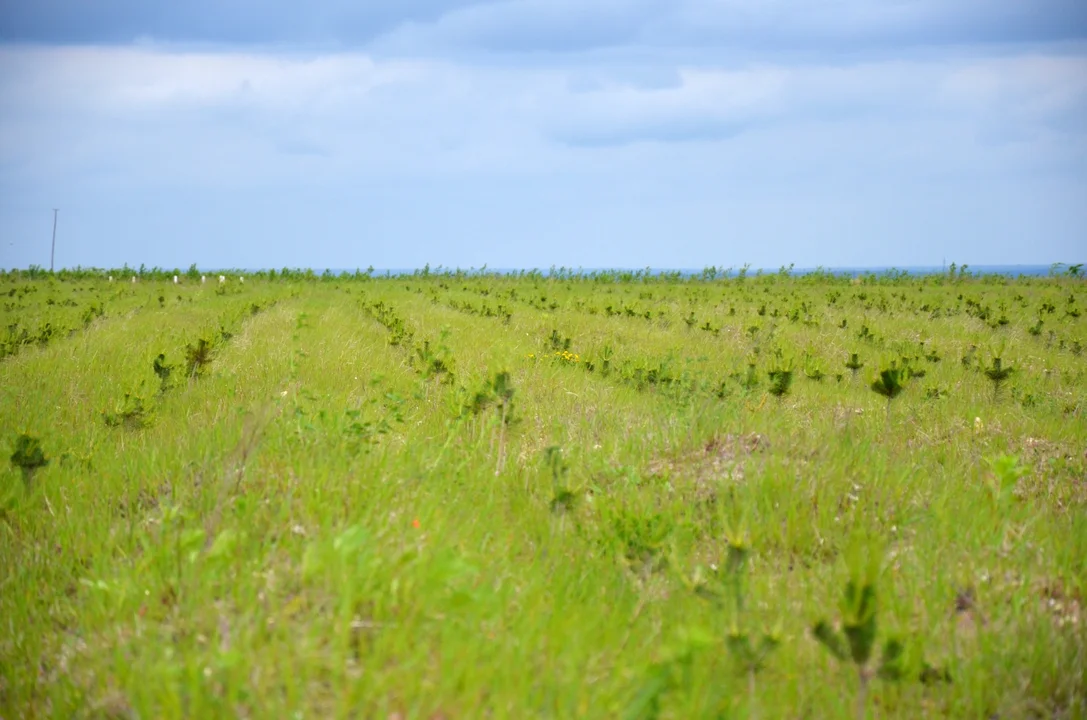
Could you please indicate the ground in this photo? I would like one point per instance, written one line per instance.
(454, 495)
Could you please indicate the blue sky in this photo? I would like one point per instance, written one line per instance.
(531, 133)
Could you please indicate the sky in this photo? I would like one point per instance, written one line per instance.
(539, 133)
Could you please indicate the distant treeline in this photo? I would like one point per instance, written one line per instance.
(708, 274)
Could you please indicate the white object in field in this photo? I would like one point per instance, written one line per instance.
(133, 279)
(203, 278)
(241, 278)
(175, 279)
(111, 278)
(222, 279)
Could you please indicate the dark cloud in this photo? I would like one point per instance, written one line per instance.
(322, 22)
(547, 26)
(756, 27)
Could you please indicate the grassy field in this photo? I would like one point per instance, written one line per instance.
(543, 496)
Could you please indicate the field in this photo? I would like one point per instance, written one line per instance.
(616, 495)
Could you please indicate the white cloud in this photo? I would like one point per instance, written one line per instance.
(592, 150)
(266, 118)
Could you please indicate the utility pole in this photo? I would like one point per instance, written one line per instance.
(53, 252)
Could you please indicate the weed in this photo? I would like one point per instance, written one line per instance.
(1006, 472)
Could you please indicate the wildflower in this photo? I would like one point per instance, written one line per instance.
(222, 279)
(977, 424)
(415, 523)
(241, 278)
(111, 278)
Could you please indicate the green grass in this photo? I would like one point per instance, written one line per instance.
(342, 510)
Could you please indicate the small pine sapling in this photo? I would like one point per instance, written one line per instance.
(749, 649)
(198, 356)
(605, 360)
(813, 369)
(998, 372)
(751, 379)
(502, 389)
(889, 384)
(163, 371)
(781, 378)
(131, 413)
(558, 342)
(28, 456)
(645, 540)
(562, 497)
(434, 363)
(855, 642)
(854, 364)
(967, 358)
(671, 674)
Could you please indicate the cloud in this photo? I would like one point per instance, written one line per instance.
(700, 105)
(558, 160)
(356, 113)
